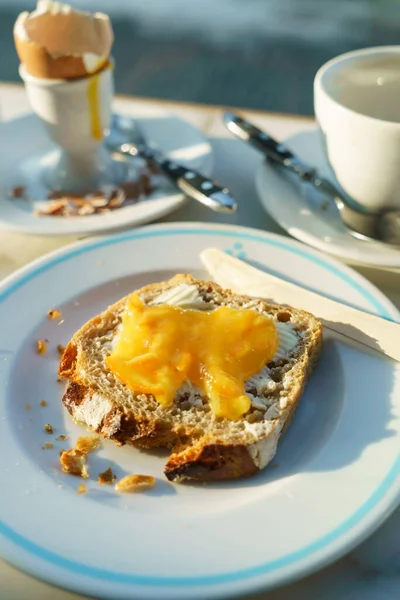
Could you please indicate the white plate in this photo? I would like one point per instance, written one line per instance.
(338, 466)
(306, 216)
(24, 139)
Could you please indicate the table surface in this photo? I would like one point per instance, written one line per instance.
(372, 572)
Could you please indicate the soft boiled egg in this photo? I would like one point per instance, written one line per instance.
(56, 41)
(161, 346)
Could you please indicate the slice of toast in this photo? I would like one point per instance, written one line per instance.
(203, 446)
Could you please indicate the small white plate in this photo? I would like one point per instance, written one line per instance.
(24, 139)
(336, 474)
(306, 214)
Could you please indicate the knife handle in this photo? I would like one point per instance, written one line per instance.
(192, 183)
(273, 150)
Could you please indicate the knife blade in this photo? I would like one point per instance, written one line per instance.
(279, 154)
(376, 333)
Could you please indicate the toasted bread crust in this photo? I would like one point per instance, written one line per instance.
(193, 457)
(145, 434)
(210, 462)
(74, 396)
(67, 364)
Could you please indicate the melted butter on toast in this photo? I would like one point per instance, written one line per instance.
(161, 346)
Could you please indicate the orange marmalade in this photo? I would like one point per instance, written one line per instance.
(161, 346)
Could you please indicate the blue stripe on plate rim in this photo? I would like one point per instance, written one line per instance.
(263, 569)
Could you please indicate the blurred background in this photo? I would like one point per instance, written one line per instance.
(259, 54)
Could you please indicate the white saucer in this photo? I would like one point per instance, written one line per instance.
(24, 138)
(306, 215)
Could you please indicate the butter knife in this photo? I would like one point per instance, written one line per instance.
(126, 138)
(352, 324)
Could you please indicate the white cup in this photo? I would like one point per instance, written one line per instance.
(75, 114)
(357, 106)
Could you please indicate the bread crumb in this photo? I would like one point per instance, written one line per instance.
(74, 462)
(60, 380)
(48, 428)
(82, 489)
(106, 476)
(27, 406)
(47, 446)
(18, 191)
(60, 322)
(41, 347)
(43, 403)
(61, 438)
(324, 205)
(135, 483)
(60, 349)
(54, 313)
(86, 444)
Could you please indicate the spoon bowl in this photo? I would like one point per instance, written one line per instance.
(380, 227)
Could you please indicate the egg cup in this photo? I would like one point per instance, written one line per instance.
(75, 113)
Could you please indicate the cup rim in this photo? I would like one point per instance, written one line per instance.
(46, 82)
(342, 58)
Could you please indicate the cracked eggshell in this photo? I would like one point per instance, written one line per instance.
(58, 42)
